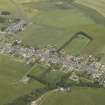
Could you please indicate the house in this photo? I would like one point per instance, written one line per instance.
(64, 89)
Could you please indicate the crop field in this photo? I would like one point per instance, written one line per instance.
(77, 96)
(11, 72)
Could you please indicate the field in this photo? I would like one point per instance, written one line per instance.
(11, 72)
(77, 96)
(38, 70)
(8, 5)
(50, 77)
(53, 23)
(99, 5)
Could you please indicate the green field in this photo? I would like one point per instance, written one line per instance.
(98, 5)
(55, 25)
(11, 72)
(77, 96)
(50, 77)
(8, 5)
(38, 70)
(53, 22)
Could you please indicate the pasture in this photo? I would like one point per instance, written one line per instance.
(42, 72)
(53, 22)
(55, 25)
(11, 72)
(98, 5)
(77, 96)
(38, 70)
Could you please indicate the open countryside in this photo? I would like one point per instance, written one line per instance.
(52, 52)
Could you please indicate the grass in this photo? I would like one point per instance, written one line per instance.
(11, 72)
(14, 7)
(58, 17)
(38, 70)
(77, 45)
(63, 18)
(46, 31)
(51, 77)
(56, 25)
(99, 5)
(54, 77)
(77, 96)
(7, 5)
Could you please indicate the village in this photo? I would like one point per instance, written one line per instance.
(52, 52)
(12, 25)
(49, 56)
